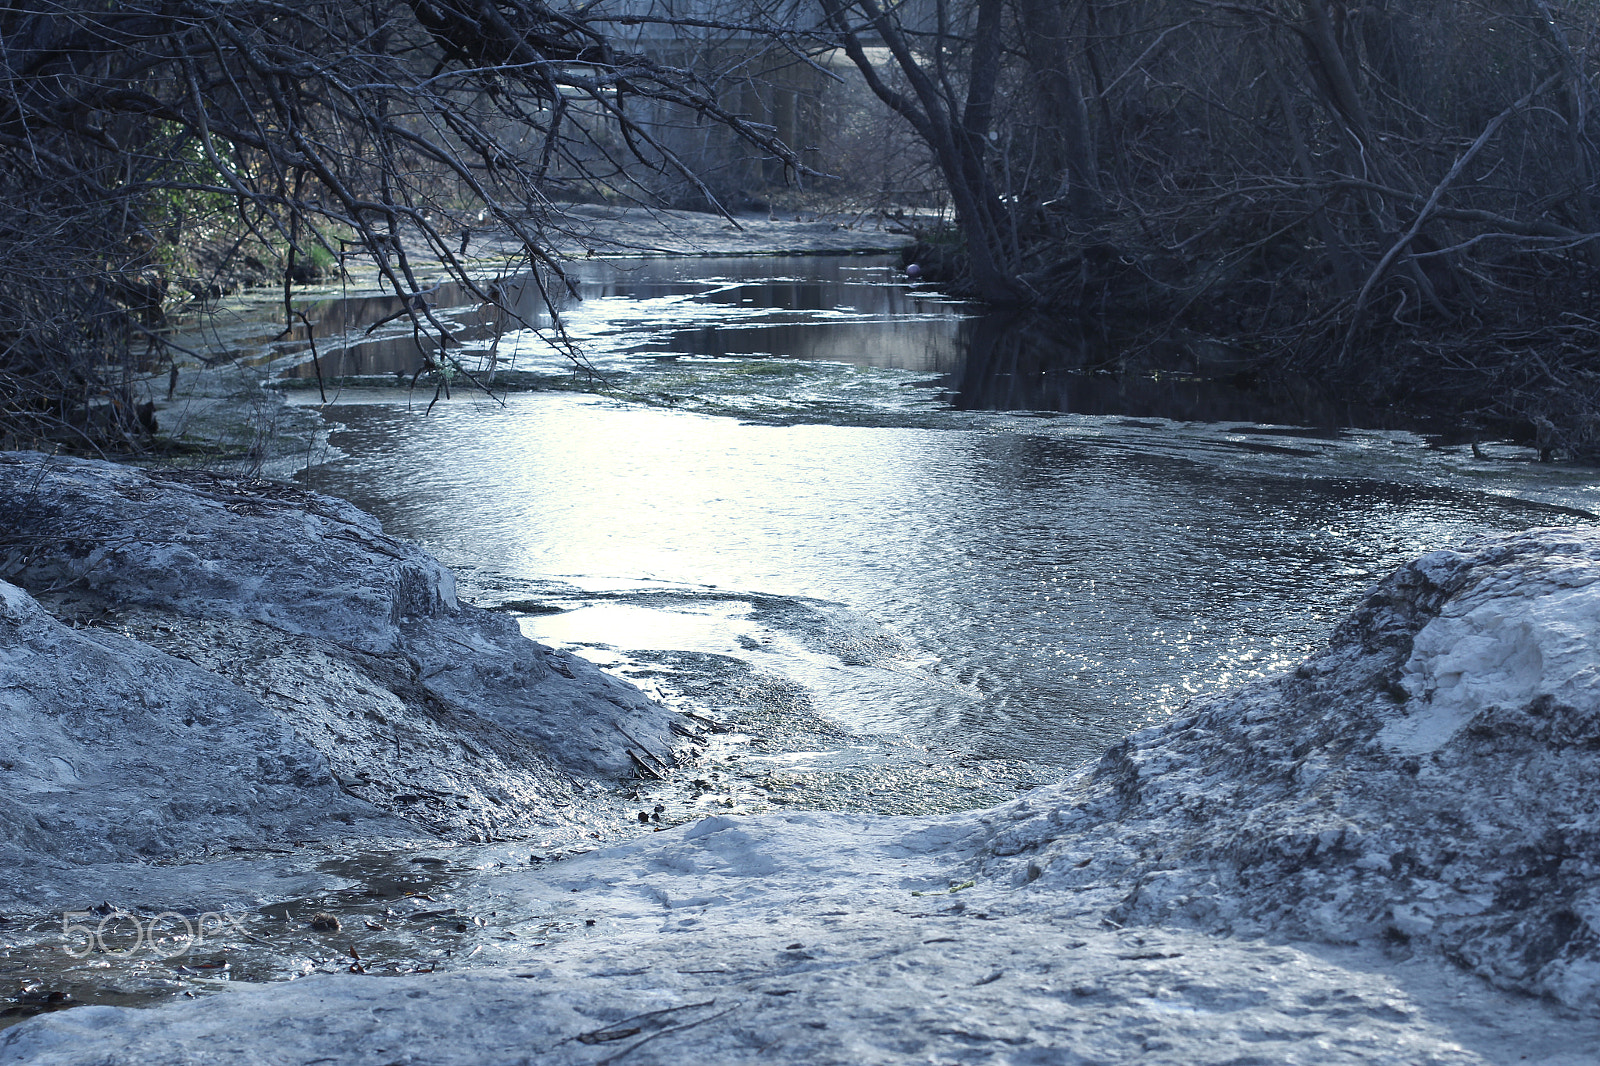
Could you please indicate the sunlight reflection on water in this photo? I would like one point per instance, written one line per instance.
(1040, 594)
(790, 470)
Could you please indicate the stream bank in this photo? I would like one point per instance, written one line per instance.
(218, 689)
(1377, 857)
(1288, 851)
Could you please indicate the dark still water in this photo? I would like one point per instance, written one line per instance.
(777, 479)
(811, 309)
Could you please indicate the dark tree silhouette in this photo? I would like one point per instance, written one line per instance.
(1401, 192)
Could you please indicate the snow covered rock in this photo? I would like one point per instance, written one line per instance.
(809, 938)
(1429, 780)
(224, 661)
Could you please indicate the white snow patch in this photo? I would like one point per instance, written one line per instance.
(1489, 649)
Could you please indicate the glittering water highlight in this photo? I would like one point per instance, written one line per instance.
(779, 472)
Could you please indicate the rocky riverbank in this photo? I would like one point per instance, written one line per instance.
(199, 664)
(1388, 855)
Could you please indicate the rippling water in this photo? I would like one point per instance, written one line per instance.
(776, 468)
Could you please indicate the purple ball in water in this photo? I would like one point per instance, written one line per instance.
(913, 271)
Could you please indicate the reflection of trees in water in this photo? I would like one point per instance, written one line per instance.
(1026, 362)
(344, 323)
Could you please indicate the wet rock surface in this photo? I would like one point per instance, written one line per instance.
(194, 663)
(115, 752)
(1387, 856)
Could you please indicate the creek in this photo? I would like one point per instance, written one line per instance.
(907, 558)
(877, 522)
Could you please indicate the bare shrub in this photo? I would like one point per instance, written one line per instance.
(321, 126)
(1383, 192)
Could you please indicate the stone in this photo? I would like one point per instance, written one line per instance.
(213, 662)
(1429, 779)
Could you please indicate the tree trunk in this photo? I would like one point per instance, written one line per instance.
(1049, 46)
(956, 131)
